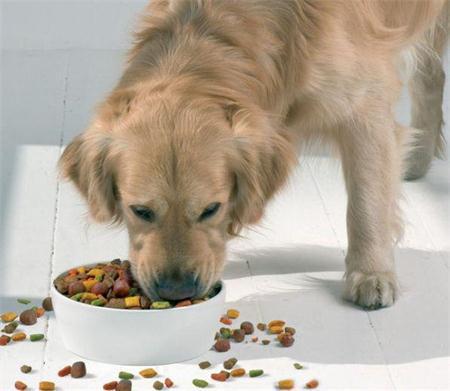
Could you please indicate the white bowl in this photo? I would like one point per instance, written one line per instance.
(137, 337)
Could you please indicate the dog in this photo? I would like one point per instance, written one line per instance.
(217, 97)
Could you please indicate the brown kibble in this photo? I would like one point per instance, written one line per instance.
(219, 376)
(46, 386)
(47, 304)
(145, 302)
(157, 385)
(110, 386)
(275, 329)
(28, 317)
(100, 288)
(19, 336)
(247, 327)
(238, 335)
(265, 341)
(261, 326)
(183, 303)
(76, 287)
(204, 364)
(78, 369)
(124, 385)
(287, 384)
(4, 340)
(168, 383)
(226, 373)
(222, 345)
(254, 338)
(25, 369)
(230, 363)
(289, 330)
(65, 371)
(121, 287)
(116, 303)
(10, 327)
(312, 384)
(286, 339)
(20, 385)
(238, 372)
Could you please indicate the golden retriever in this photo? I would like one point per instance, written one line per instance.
(203, 127)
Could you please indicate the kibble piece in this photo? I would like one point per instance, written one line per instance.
(47, 304)
(39, 311)
(254, 338)
(25, 369)
(204, 364)
(219, 376)
(8, 317)
(298, 365)
(160, 305)
(261, 326)
(89, 284)
(168, 383)
(145, 302)
(121, 288)
(289, 330)
(99, 288)
(76, 287)
(4, 340)
(276, 323)
(28, 317)
(226, 373)
(148, 373)
(157, 385)
(222, 345)
(238, 372)
(10, 327)
(226, 320)
(200, 383)
(230, 363)
(255, 372)
(233, 314)
(20, 385)
(65, 371)
(286, 339)
(133, 301)
(110, 386)
(46, 386)
(265, 341)
(125, 375)
(312, 384)
(287, 384)
(24, 301)
(183, 303)
(124, 385)
(98, 302)
(225, 332)
(36, 337)
(18, 336)
(238, 335)
(275, 329)
(78, 369)
(116, 303)
(247, 327)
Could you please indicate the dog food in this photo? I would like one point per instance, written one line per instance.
(286, 339)
(289, 330)
(298, 365)
(200, 383)
(230, 363)
(24, 301)
(222, 345)
(78, 370)
(254, 338)
(287, 384)
(168, 383)
(36, 337)
(46, 386)
(238, 335)
(148, 373)
(10, 327)
(232, 313)
(312, 384)
(20, 385)
(255, 372)
(279, 323)
(28, 317)
(261, 326)
(25, 369)
(238, 372)
(204, 364)
(111, 285)
(157, 385)
(225, 332)
(125, 375)
(47, 304)
(65, 371)
(265, 341)
(110, 386)
(221, 376)
(226, 320)
(226, 373)
(247, 327)
(18, 336)
(39, 311)
(8, 317)
(124, 385)
(4, 340)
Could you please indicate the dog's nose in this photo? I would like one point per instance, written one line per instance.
(175, 288)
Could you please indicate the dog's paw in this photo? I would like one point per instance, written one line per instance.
(371, 290)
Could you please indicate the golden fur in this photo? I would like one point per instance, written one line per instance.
(216, 99)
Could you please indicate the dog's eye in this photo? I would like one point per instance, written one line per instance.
(143, 212)
(209, 211)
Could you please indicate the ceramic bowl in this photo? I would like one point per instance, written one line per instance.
(137, 337)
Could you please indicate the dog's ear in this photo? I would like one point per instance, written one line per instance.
(263, 154)
(89, 161)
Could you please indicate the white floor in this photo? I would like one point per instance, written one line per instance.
(290, 267)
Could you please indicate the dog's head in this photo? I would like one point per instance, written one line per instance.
(184, 176)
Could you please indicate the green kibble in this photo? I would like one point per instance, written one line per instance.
(77, 297)
(133, 291)
(24, 301)
(225, 332)
(204, 364)
(298, 365)
(10, 327)
(160, 305)
(25, 369)
(200, 383)
(125, 375)
(98, 302)
(36, 337)
(255, 372)
(99, 278)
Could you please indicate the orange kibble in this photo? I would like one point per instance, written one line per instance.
(275, 329)
(232, 313)
(238, 372)
(272, 323)
(312, 384)
(46, 386)
(39, 312)
(65, 371)
(225, 320)
(18, 336)
(287, 384)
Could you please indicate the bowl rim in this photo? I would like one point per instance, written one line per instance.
(54, 291)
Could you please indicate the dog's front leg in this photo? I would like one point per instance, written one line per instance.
(371, 164)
